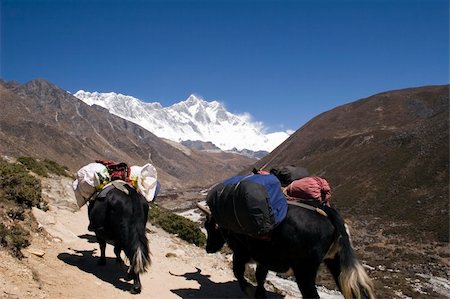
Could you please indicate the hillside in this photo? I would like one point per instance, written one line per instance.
(43, 121)
(386, 158)
(61, 262)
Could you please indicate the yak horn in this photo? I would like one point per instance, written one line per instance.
(204, 209)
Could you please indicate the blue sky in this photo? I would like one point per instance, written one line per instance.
(283, 62)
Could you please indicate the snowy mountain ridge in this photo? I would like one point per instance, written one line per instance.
(192, 119)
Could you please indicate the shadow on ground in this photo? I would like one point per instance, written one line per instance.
(211, 289)
(90, 238)
(113, 273)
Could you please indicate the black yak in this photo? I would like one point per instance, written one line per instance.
(301, 242)
(118, 216)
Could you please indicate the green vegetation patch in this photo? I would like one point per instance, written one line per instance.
(33, 165)
(55, 168)
(172, 223)
(14, 238)
(17, 185)
(43, 168)
(19, 192)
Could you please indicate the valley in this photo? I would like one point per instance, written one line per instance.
(385, 157)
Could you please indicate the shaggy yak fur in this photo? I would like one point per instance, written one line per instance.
(301, 242)
(120, 219)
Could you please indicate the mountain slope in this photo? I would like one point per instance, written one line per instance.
(44, 121)
(192, 119)
(385, 156)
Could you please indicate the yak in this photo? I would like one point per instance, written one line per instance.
(118, 217)
(300, 243)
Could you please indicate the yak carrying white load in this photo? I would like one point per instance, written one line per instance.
(94, 177)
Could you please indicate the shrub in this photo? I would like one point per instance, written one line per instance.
(175, 224)
(17, 185)
(3, 232)
(55, 168)
(42, 168)
(14, 238)
(19, 191)
(33, 165)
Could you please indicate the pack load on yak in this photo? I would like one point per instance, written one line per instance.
(94, 177)
(309, 188)
(145, 180)
(89, 179)
(300, 186)
(252, 205)
(288, 174)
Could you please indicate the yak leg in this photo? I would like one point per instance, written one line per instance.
(102, 244)
(334, 265)
(117, 250)
(239, 262)
(136, 288)
(97, 215)
(305, 274)
(261, 274)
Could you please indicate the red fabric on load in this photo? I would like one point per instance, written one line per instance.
(309, 188)
(117, 171)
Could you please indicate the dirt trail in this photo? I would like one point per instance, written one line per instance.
(64, 265)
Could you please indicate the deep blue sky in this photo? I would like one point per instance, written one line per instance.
(283, 62)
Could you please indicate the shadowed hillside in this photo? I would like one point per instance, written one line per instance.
(43, 121)
(386, 156)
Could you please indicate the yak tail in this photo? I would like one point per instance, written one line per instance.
(141, 260)
(353, 279)
(140, 252)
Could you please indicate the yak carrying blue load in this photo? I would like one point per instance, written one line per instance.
(252, 205)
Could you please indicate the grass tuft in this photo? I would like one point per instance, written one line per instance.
(172, 223)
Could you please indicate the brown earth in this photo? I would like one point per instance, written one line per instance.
(61, 261)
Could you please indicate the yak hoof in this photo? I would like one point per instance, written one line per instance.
(135, 290)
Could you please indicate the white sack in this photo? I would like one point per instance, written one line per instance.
(88, 178)
(144, 179)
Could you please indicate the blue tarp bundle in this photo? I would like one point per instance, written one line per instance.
(253, 205)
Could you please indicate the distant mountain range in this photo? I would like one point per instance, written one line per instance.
(191, 120)
(41, 120)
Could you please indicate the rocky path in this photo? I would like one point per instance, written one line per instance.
(61, 262)
(64, 265)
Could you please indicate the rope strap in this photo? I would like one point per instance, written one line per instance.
(306, 206)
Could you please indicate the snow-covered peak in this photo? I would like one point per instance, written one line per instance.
(194, 99)
(191, 119)
(110, 98)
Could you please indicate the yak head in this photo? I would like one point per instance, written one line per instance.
(215, 239)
